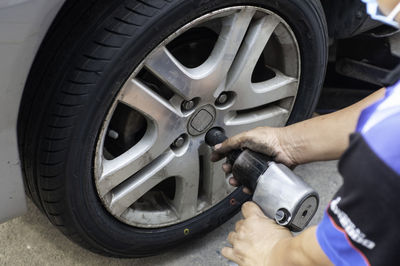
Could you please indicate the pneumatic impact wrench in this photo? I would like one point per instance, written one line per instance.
(281, 194)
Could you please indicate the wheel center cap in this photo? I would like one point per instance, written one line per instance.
(201, 120)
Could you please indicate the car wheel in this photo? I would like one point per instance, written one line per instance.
(121, 95)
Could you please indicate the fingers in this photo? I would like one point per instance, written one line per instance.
(215, 156)
(229, 253)
(234, 253)
(228, 145)
(227, 168)
(250, 209)
(235, 237)
(238, 225)
(247, 191)
(233, 182)
(232, 237)
(232, 143)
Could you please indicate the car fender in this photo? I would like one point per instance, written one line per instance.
(23, 25)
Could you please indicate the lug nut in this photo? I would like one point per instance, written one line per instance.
(223, 98)
(179, 142)
(188, 105)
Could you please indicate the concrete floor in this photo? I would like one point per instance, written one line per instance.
(32, 240)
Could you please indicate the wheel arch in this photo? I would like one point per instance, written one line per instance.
(347, 18)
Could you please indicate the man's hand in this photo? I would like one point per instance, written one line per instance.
(321, 138)
(255, 239)
(266, 140)
(258, 240)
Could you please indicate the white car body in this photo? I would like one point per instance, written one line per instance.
(23, 26)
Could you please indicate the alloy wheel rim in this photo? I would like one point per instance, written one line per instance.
(171, 145)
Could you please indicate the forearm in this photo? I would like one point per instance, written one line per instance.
(325, 137)
(302, 249)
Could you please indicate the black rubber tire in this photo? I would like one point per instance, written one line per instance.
(89, 52)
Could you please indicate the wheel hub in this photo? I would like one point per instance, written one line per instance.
(201, 120)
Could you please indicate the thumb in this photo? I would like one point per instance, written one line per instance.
(250, 209)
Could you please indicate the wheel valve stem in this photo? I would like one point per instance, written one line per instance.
(113, 134)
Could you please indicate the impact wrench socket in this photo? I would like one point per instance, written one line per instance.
(281, 194)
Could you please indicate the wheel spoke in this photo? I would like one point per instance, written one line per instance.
(163, 64)
(140, 97)
(163, 127)
(214, 178)
(254, 44)
(186, 170)
(278, 88)
(273, 116)
(116, 171)
(203, 80)
(134, 188)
